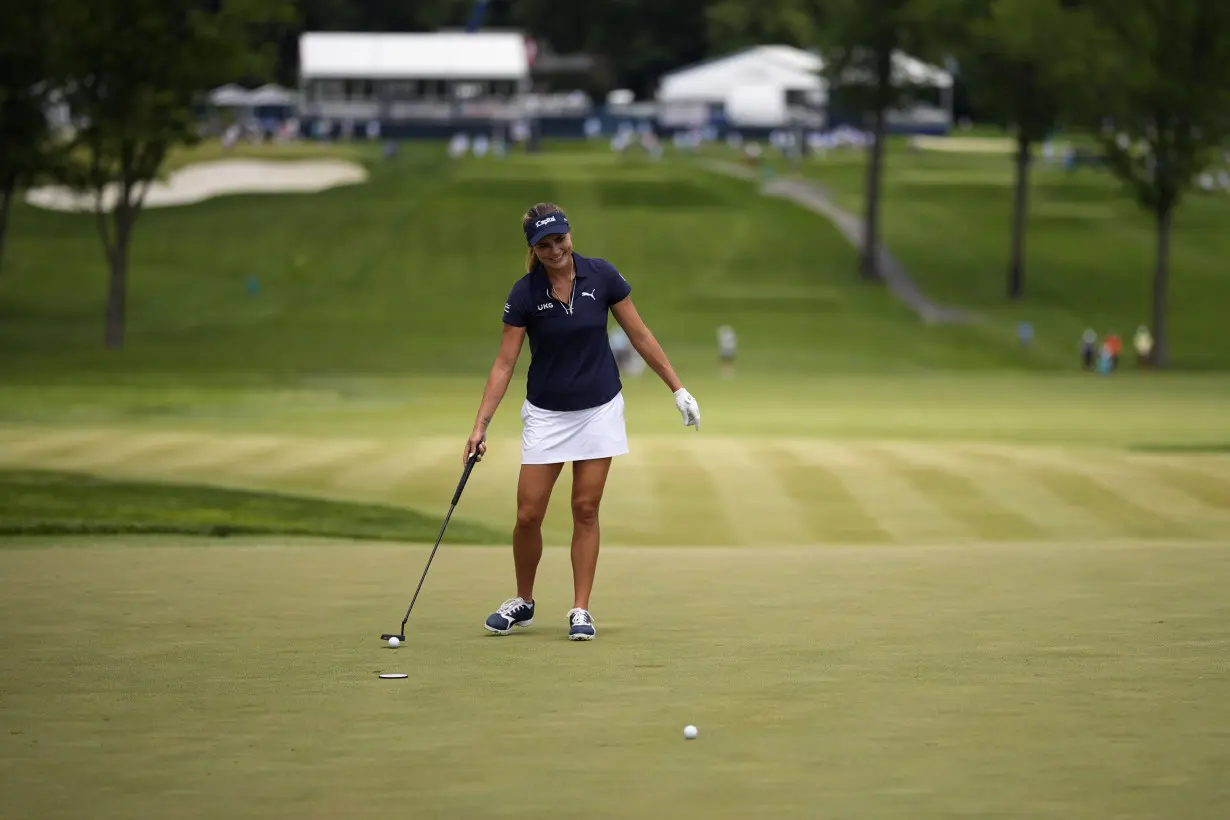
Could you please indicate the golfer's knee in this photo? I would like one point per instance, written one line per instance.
(585, 511)
(530, 516)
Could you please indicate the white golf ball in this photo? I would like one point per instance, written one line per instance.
(689, 732)
(393, 641)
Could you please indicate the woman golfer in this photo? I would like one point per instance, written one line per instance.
(574, 407)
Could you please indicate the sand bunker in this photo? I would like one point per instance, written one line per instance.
(204, 180)
(966, 145)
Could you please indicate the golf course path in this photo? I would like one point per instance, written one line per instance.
(813, 198)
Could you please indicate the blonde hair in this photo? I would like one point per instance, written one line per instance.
(539, 210)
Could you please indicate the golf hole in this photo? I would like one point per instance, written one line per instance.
(393, 675)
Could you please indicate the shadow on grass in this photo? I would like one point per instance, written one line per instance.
(56, 503)
(1197, 447)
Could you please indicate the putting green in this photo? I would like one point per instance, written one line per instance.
(152, 678)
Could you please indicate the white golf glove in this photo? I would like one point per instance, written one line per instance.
(688, 408)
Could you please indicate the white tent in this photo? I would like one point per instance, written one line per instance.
(756, 105)
(909, 70)
(229, 96)
(777, 69)
(780, 67)
(271, 94)
(425, 56)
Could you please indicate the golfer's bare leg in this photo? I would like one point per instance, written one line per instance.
(588, 483)
(533, 493)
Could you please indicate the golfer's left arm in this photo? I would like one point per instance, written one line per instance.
(643, 341)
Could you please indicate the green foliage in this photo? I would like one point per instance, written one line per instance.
(1025, 62)
(867, 39)
(134, 69)
(27, 149)
(738, 24)
(132, 72)
(861, 40)
(637, 40)
(1167, 99)
(1168, 94)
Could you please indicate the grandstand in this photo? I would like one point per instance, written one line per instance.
(434, 84)
(409, 78)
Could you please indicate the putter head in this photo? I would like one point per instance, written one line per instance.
(388, 635)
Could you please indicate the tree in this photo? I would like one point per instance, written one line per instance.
(1170, 107)
(737, 24)
(1023, 60)
(866, 42)
(131, 73)
(639, 40)
(26, 143)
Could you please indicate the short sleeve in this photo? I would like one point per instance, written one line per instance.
(514, 309)
(617, 287)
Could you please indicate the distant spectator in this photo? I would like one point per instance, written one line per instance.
(727, 343)
(1105, 364)
(1089, 347)
(1143, 342)
(1025, 334)
(620, 346)
(1113, 346)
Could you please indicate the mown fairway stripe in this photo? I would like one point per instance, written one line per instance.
(764, 512)
(691, 499)
(829, 512)
(1204, 487)
(1140, 487)
(436, 467)
(220, 454)
(38, 447)
(1144, 485)
(1019, 490)
(1205, 479)
(989, 509)
(381, 464)
(127, 452)
(300, 457)
(630, 508)
(1107, 500)
(908, 516)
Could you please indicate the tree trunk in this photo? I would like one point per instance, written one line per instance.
(117, 289)
(1161, 277)
(869, 267)
(1020, 211)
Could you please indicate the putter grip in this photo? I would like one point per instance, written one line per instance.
(465, 476)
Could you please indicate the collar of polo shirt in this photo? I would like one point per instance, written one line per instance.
(580, 270)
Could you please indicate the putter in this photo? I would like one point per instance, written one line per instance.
(465, 476)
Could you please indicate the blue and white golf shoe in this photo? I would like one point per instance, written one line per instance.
(512, 613)
(580, 625)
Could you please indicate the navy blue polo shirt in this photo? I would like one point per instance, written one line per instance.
(571, 363)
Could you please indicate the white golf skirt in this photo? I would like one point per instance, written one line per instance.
(557, 436)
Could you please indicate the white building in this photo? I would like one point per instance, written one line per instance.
(361, 76)
(765, 86)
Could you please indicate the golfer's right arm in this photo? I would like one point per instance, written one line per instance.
(497, 384)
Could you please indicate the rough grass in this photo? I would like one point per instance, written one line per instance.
(366, 279)
(1089, 254)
